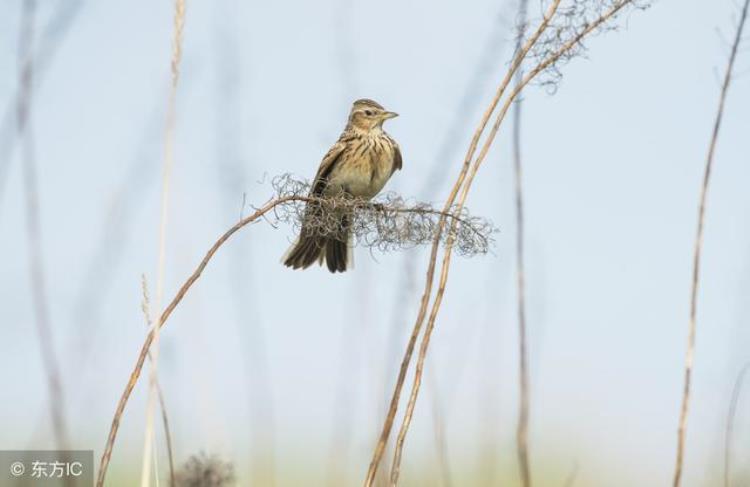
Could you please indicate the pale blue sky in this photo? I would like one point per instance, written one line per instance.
(613, 163)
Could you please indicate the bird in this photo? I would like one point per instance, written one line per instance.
(358, 165)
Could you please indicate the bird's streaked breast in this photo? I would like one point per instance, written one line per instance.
(365, 167)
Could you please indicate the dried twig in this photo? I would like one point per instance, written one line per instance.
(697, 248)
(288, 206)
(390, 417)
(146, 308)
(388, 424)
(522, 429)
(430, 274)
(447, 148)
(49, 42)
(135, 374)
(179, 22)
(468, 103)
(386, 224)
(167, 433)
(33, 225)
(566, 41)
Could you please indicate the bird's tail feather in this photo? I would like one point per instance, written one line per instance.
(309, 247)
(334, 249)
(304, 252)
(336, 255)
(337, 247)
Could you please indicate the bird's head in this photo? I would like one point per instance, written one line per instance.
(367, 115)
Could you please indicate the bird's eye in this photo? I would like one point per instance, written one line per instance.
(369, 113)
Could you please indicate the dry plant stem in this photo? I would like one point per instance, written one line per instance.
(47, 46)
(447, 147)
(435, 179)
(167, 433)
(469, 101)
(33, 226)
(697, 248)
(135, 374)
(467, 186)
(730, 423)
(522, 429)
(162, 403)
(433, 257)
(179, 20)
(388, 424)
(137, 369)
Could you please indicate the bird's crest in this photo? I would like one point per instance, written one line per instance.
(366, 102)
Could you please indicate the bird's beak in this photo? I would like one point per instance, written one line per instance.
(387, 115)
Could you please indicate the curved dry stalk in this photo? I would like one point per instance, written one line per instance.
(522, 429)
(697, 248)
(135, 374)
(465, 182)
(388, 223)
(270, 206)
(432, 263)
(179, 22)
(469, 100)
(33, 225)
(47, 45)
(388, 424)
(167, 430)
(167, 433)
(146, 308)
(730, 422)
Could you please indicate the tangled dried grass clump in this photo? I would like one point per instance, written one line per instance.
(571, 23)
(387, 223)
(205, 471)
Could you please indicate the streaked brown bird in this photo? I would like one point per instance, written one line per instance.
(358, 165)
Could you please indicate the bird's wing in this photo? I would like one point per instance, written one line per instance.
(397, 161)
(326, 166)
